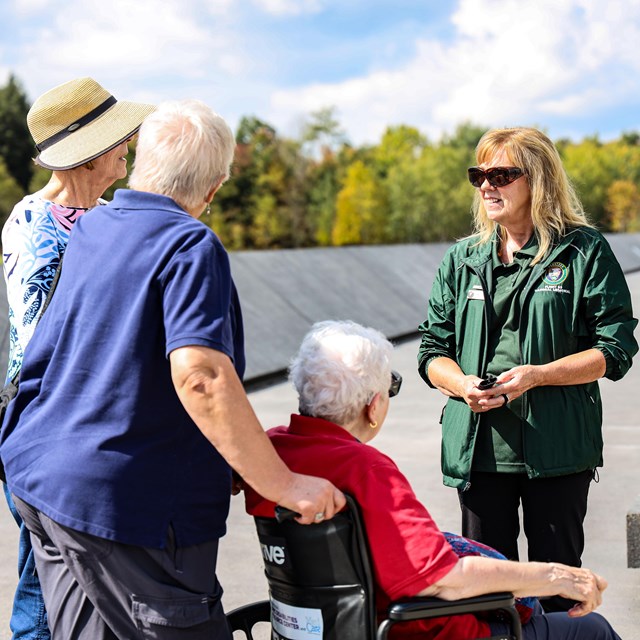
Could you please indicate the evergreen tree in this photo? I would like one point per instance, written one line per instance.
(16, 145)
(10, 193)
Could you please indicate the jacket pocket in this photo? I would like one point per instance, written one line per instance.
(458, 438)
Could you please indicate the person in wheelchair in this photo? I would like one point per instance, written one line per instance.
(344, 380)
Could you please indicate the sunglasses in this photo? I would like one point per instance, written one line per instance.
(496, 177)
(396, 383)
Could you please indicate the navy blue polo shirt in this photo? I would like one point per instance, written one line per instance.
(97, 438)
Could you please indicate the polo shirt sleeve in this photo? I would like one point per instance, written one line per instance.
(196, 299)
(409, 552)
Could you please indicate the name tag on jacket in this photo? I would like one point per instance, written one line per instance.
(475, 293)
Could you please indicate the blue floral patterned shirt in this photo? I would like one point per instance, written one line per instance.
(33, 240)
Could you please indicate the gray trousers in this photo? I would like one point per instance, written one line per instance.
(97, 589)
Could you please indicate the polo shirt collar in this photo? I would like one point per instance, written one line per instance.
(143, 200)
(308, 426)
(529, 250)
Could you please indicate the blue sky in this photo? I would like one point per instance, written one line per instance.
(570, 67)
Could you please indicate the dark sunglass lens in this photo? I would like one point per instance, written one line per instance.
(476, 176)
(396, 383)
(499, 177)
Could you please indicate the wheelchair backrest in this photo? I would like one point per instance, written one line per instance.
(319, 576)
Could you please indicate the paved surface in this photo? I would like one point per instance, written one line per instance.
(411, 436)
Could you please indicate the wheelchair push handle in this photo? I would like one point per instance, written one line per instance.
(282, 514)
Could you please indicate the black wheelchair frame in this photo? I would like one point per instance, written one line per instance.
(327, 566)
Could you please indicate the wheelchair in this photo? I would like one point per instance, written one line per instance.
(321, 586)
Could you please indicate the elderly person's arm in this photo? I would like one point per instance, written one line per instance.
(473, 576)
(212, 394)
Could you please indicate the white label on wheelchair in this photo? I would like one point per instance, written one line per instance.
(296, 623)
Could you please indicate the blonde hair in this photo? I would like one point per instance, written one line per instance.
(555, 206)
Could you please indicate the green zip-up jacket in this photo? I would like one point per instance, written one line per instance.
(576, 299)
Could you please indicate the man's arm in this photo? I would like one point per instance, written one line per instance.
(212, 394)
(473, 576)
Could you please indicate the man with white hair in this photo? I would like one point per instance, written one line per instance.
(119, 446)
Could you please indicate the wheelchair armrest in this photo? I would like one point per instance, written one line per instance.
(421, 608)
(244, 618)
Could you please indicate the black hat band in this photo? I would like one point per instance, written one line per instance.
(86, 119)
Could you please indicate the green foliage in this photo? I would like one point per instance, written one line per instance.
(320, 190)
(398, 144)
(322, 133)
(594, 166)
(623, 206)
(264, 203)
(16, 145)
(465, 137)
(360, 208)
(324, 184)
(39, 178)
(10, 193)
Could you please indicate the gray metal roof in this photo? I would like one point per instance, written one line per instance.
(284, 292)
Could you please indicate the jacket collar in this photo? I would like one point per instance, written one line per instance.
(484, 253)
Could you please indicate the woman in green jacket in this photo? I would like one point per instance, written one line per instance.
(524, 317)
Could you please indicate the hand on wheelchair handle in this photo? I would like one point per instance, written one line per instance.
(282, 514)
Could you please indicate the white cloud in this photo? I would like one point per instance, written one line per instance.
(289, 7)
(29, 7)
(132, 43)
(119, 33)
(509, 62)
(502, 62)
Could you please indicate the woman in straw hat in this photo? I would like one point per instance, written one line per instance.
(81, 133)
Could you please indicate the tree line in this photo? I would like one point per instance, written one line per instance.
(320, 190)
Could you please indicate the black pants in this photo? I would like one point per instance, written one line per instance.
(553, 515)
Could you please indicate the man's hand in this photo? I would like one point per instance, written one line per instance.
(315, 499)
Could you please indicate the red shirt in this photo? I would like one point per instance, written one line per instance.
(409, 552)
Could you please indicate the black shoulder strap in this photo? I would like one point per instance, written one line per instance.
(54, 284)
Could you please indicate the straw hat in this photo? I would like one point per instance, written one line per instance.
(79, 121)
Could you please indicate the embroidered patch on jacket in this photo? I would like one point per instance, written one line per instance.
(556, 273)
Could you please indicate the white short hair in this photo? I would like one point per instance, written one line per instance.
(184, 149)
(340, 366)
